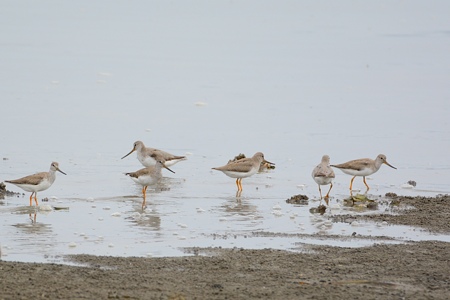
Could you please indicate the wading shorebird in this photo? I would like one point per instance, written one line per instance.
(149, 156)
(148, 176)
(37, 182)
(242, 168)
(363, 167)
(323, 174)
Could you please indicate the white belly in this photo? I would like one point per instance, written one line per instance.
(42, 186)
(147, 161)
(146, 180)
(234, 174)
(363, 172)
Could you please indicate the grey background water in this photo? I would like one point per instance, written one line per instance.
(81, 81)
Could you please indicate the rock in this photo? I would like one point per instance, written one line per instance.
(298, 199)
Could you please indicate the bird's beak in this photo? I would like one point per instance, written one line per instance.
(268, 162)
(61, 171)
(167, 168)
(390, 165)
(129, 153)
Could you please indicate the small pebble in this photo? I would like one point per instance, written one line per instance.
(406, 186)
(276, 207)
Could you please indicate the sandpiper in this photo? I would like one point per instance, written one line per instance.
(149, 156)
(148, 176)
(37, 182)
(242, 168)
(323, 174)
(363, 167)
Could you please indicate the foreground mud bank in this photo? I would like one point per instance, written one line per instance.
(414, 270)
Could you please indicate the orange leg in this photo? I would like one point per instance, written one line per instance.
(144, 192)
(351, 182)
(35, 198)
(328, 194)
(320, 192)
(327, 197)
(238, 184)
(31, 199)
(364, 180)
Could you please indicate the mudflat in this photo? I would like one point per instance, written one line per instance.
(411, 270)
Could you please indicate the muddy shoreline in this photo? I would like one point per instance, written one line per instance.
(413, 270)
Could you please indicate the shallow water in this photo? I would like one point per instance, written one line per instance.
(82, 81)
(173, 222)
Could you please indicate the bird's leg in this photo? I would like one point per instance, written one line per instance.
(31, 199)
(328, 194)
(144, 192)
(239, 184)
(364, 180)
(35, 198)
(351, 182)
(320, 192)
(327, 197)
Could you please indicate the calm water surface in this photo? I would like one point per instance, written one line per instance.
(82, 81)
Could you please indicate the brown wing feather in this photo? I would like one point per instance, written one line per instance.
(242, 165)
(140, 172)
(34, 179)
(357, 164)
(163, 155)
